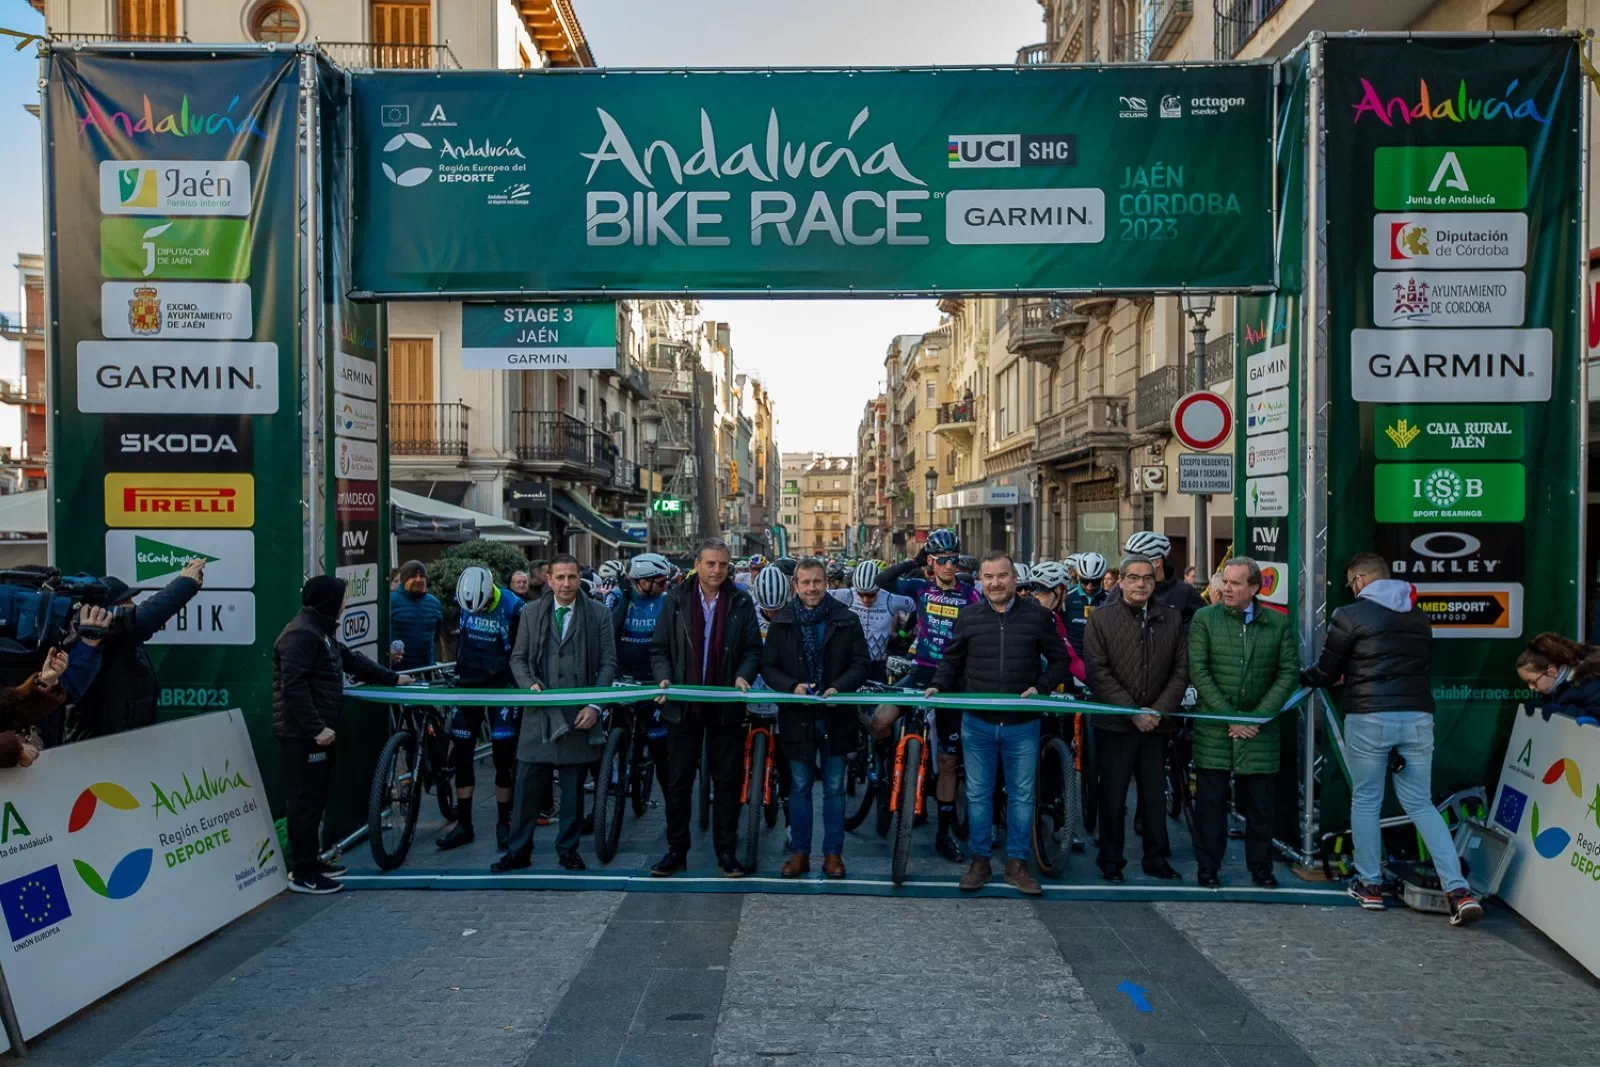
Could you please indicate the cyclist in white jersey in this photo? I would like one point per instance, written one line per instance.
(879, 612)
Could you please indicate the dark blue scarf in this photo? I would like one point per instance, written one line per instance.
(812, 623)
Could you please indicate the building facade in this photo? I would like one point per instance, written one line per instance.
(819, 493)
(24, 464)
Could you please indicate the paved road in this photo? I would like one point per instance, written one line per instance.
(548, 978)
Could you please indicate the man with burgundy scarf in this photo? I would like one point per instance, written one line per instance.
(707, 635)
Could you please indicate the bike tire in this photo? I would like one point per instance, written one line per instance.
(750, 837)
(882, 787)
(858, 815)
(1076, 836)
(1186, 798)
(905, 816)
(444, 778)
(644, 778)
(704, 788)
(395, 780)
(610, 800)
(1051, 824)
(1175, 783)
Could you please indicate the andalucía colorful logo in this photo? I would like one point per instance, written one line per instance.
(1458, 108)
(182, 122)
(129, 875)
(1553, 840)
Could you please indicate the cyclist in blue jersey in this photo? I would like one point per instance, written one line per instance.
(1085, 596)
(483, 661)
(939, 600)
(635, 607)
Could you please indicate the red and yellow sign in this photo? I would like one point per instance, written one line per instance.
(181, 501)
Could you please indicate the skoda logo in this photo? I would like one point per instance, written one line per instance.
(414, 176)
(1445, 544)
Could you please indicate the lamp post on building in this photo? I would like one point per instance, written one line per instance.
(930, 480)
(1199, 306)
(650, 426)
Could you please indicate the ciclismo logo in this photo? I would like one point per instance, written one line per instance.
(130, 872)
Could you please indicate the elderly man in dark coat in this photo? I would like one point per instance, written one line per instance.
(564, 641)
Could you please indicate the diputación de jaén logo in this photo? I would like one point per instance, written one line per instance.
(131, 871)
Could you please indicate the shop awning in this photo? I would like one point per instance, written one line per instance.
(25, 513)
(577, 513)
(423, 519)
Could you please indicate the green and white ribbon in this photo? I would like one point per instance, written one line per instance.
(1053, 704)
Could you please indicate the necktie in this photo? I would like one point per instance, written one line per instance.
(561, 622)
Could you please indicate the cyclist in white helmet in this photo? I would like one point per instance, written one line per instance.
(1171, 590)
(1086, 595)
(1051, 587)
(879, 613)
(773, 590)
(489, 617)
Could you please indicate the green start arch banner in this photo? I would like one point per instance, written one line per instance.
(797, 182)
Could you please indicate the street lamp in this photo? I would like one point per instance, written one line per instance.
(1199, 306)
(650, 426)
(931, 481)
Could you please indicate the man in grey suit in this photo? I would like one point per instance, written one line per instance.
(564, 641)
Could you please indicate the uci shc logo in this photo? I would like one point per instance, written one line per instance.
(414, 176)
(129, 875)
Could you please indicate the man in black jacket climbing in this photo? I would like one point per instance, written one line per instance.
(308, 669)
(997, 647)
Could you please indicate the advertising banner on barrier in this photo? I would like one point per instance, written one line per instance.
(172, 215)
(1547, 802)
(1455, 266)
(117, 853)
(1136, 176)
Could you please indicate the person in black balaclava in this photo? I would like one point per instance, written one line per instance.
(308, 669)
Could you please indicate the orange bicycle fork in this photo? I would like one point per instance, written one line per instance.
(766, 784)
(900, 772)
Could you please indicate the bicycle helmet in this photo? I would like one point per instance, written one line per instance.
(772, 589)
(475, 589)
(1073, 562)
(649, 565)
(757, 561)
(785, 565)
(1050, 575)
(1024, 575)
(968, 564)
(1148, 543)
(1091, 566)
(942, 541)
(835, 572)
(866, 577)
(612, 570)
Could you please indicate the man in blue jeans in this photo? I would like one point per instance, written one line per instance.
(997, 646)
(1379, 647)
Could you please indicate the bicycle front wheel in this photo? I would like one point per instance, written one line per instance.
(610, 801)
(1051, 828)
(392, 804)
(905, 816)
(755, 784)
(860, 773)
(705, 784)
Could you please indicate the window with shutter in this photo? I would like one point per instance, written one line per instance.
(147, 19)
(411, 392)
(398, 29)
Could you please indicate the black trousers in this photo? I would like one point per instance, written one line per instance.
(1121, 758)
(533, 793)
(724, 733)
(1256, 795)
(307, 774)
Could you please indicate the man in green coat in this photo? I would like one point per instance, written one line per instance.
(1243, 660)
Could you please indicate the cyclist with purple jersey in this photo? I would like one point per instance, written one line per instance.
(939, 600)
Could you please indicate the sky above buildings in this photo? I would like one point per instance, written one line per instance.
(821, 360)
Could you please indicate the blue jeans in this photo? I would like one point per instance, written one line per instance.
(1368, 740)
(802, 774)
(985, 744)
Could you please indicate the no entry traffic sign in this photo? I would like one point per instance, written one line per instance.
(1202, 421)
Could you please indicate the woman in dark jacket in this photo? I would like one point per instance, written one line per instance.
(815, 645)
(22, 706)
(1563, 674)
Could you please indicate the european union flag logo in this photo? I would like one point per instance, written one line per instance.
(34, 901)
(1508, 812)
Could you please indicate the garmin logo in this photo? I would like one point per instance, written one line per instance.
(1446, 366)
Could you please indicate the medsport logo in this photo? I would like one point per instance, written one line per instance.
(130, 872)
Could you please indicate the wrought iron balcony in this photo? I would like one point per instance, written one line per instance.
(1237, 21)
(1219, 360)
(119, 38)
(553, 437)
(427, 429)
(955, 414)
(370, 55)
(1099, 422)
(15, 327)
(1172, 17)
(1157, 392)
(1131, 47)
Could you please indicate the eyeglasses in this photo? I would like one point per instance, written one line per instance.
(1139, 579)
(945, 561)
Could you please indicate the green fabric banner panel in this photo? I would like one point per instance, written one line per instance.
(1132, 176)
(1455, 269)
(174, 288)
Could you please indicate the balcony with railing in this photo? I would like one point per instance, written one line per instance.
(1156, 393)
(427, 429)
(1133, 47)
(1172, 17)
(556, 439)
(371, 55)
(677, 384)
(119, 38)
(14, 326)
(1237, 21)
(1033, 55)
(1219, 360)
(1034, 329)
(957, 422)
(1099, 422)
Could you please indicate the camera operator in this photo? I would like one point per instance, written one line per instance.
(122, 696)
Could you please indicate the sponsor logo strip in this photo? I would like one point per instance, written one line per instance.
(147, 443)
(355, 460)
(211, 618)
(1449, 492)
(183, 311)
(1267, 497)
(1476, 178)
(1445, 553)
(1025, 216)
(1267, 454)
(178, 378)
(355, 417)
(1266, 412)
(1449, 240)
(201, 250)
(1442, 366)
(361, 583)
(355, 501)
(1268, 369)
(1471, 609)
(1448, 298)
(175, 187)
(149, 559)
(180, 500)
(355, 376)
(1447, 431)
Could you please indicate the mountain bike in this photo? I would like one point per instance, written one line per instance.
(761, 794)
(1058, 794)
(627, 773)
(415, 760)
(908, 782)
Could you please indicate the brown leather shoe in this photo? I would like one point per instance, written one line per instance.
(797, 864)
(977, 875)
(1018, 875)
(833, 866)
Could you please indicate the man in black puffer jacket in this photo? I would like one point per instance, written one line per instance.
(996, 648)
(309, 665)
(1379, 646)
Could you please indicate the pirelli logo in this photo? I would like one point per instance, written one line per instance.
(181, 501)
(944, 611)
